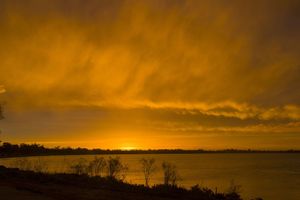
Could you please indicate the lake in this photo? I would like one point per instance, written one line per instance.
(273, 176)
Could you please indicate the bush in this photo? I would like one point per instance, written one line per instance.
(80, 167)
(148, 168)
(171, 175)
(96, 166)
(115, 168)
(39, 165)
(22, 164)
(234, 188)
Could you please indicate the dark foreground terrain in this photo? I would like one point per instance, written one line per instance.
(16, 184)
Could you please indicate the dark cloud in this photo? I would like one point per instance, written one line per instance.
(189, 66)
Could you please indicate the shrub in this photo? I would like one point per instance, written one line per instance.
(96, 166)
(22, 164)
(234, 188)
(79, 167)
(148, 168)
(115, 168)
(171, 175)
(39, 165)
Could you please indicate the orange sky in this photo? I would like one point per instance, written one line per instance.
(151, 74)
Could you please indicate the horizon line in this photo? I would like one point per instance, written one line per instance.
(158, 149)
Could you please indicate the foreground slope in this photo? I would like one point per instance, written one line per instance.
(39, 186)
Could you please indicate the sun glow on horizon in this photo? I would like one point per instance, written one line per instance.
(204, 80)
(128, 148)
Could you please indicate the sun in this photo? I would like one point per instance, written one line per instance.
(128, 147)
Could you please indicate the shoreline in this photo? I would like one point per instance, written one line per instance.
(83, 187)
(149, 153)
(8, 150)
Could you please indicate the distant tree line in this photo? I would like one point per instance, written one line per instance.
(15, 150)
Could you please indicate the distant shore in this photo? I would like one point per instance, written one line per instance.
(20, 150)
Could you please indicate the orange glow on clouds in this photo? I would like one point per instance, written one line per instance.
(151, 74)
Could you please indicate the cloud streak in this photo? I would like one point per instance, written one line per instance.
(2, 89)
(196, 58)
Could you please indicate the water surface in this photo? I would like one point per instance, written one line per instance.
(271, 176)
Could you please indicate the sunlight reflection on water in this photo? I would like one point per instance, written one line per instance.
(271, 176)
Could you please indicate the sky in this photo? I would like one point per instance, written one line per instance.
(151, 74)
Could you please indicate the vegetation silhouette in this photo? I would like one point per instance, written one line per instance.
(79, 167)
(97, 166)
(148, 168)
(88, 176)
(171, 176)
(15, 150)
(234, 188)
(74, 186)
(37, 164)
(116, 169)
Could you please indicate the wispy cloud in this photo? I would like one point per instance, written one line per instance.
(195, 65)
(225, 109)
(2, 89)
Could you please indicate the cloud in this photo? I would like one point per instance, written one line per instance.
(158, 51)
(200, 62)
(2, 89)
(287, 111)
(225, 109)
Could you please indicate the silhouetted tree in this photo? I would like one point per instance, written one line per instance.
(79, 167)
(148, 168)
(39, 165)
(22, 163)
(171, 176)
(234, 188)
(96, 166)
(115, 168)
